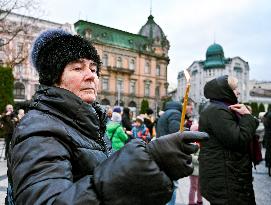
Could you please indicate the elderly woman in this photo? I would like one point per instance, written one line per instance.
(59, 152)
(225, 168)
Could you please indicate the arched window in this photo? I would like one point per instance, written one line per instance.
(132, 64)
(119, 62)
(132, 104)
(119, 104)
(105, 102)
(105, 60)
(19, 90)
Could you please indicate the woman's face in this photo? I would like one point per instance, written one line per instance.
(80, 77)
(236, 92)
(233, 83)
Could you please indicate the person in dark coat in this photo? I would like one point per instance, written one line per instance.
(267, 138)
(225, 168)
(126, 119)
(8, 121)
(169, 122)
(59, 152)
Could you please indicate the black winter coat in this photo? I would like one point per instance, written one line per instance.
(225, 168)
(169, 122)
(267, 138)
(60, 157)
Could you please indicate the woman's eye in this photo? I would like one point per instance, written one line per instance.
(77, 68)
(93, 70)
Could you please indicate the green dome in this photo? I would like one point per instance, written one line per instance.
(214, 50)
(214, 57)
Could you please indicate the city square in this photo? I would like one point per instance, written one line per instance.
(91, 91)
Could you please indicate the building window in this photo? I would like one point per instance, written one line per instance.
(120, 85)
(105, 84)
(119, 62)
(105, 60)
(19, 90)
(88, 34)
(147, 68)
(157, 91)
(132, 87)
(158, 70)
(2, 42)
(132, 64)
(147, 89)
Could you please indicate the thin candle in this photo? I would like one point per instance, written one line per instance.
(187, 77)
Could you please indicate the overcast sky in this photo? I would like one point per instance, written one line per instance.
(241, 27)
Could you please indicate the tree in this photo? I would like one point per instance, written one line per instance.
(144, 106)
(269, 107)
(255, 110)
(6, 87)
(261, 108)
(10, 28)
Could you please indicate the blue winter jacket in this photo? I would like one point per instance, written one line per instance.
(169, 122)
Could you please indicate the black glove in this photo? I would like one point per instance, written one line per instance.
(172, 152)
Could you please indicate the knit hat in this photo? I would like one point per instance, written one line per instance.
(117, 109)
(116, 117)
(140, 119)
(54, 49)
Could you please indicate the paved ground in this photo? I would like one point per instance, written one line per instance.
(262, 185)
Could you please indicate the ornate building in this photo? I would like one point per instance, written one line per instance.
(215, 65)
(134, 65)
(16, 37)
(260, 92)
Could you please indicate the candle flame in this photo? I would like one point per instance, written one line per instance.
(187, 76)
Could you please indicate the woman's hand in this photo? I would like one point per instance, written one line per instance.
(240, 108)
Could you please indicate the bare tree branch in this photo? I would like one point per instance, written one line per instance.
(10, 29)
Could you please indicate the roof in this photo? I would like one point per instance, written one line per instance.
(151, 29)
(260, 92)
(112, 36)
(214, 57)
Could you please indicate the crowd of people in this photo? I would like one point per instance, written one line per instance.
(68, 149)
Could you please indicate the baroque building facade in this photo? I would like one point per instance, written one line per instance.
(215, 65)
(16, 37)
(134, 66)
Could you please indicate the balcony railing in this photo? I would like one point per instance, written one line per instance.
(120, 70)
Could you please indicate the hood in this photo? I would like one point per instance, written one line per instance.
(112, 126)
(173, 105)
(219, 89)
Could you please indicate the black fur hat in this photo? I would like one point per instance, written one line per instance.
(54, 49)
